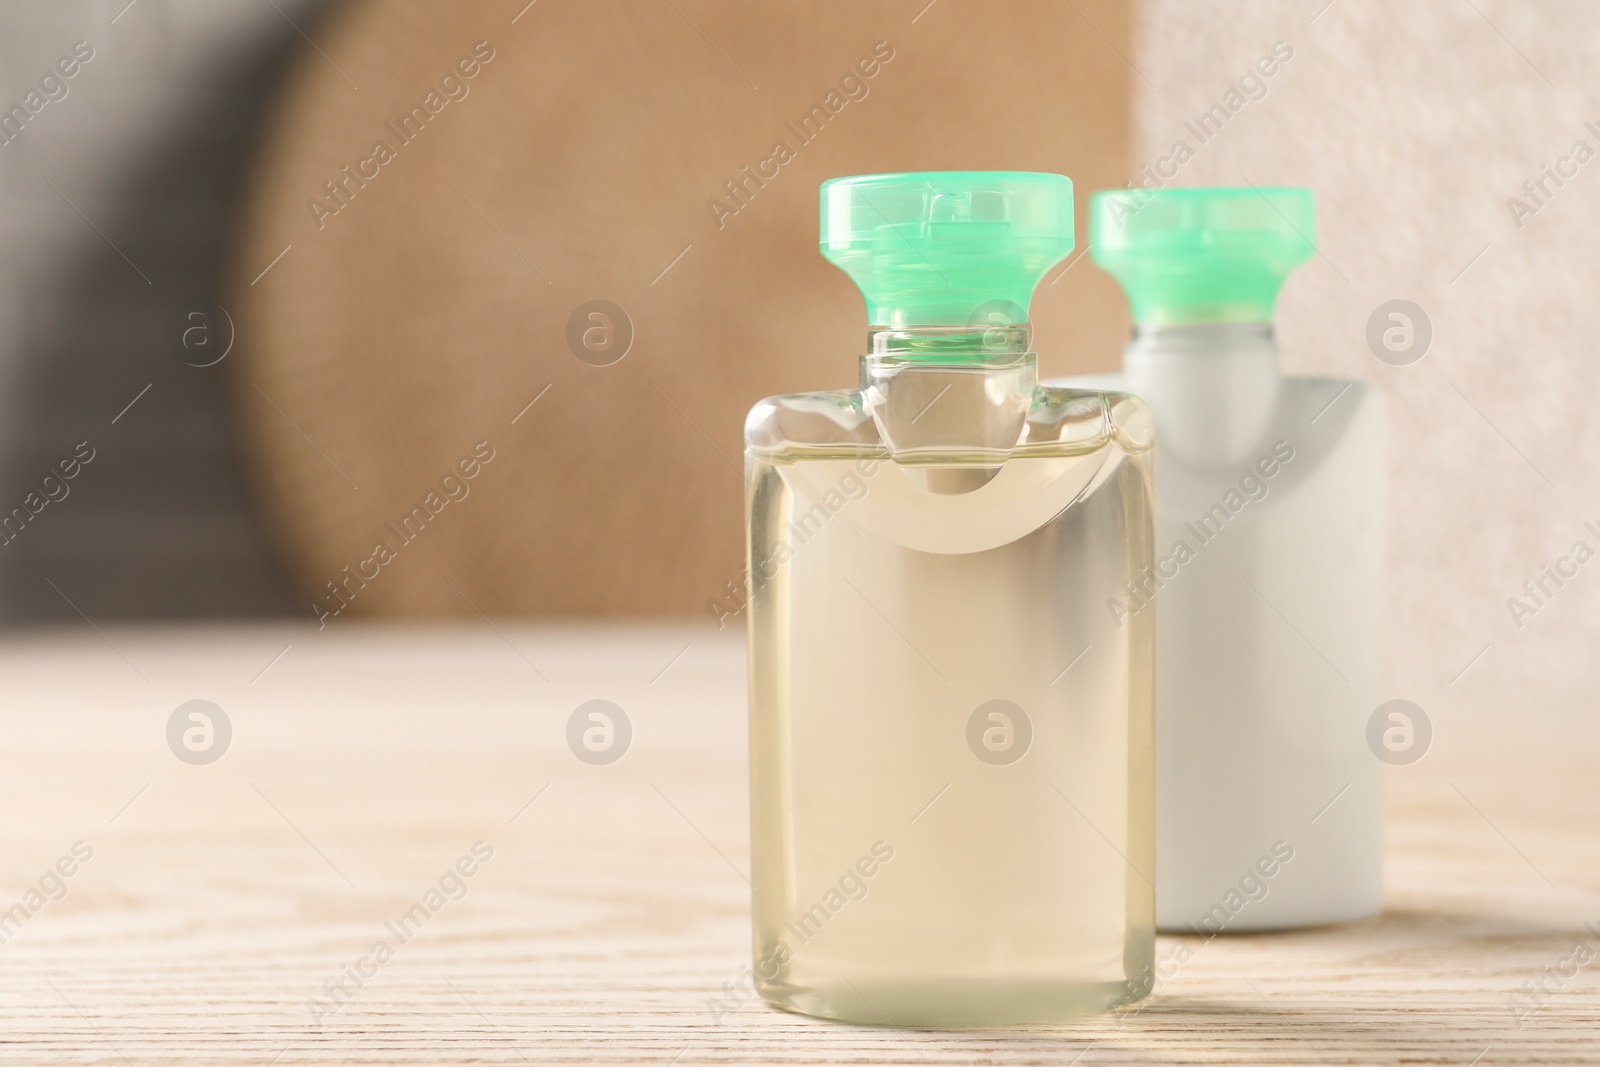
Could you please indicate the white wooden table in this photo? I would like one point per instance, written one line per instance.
(365, 763)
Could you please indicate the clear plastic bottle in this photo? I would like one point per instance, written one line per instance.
(1268, 580)
(951, 744)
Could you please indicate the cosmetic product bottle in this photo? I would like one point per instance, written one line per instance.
(1268, 575)
(951, 744)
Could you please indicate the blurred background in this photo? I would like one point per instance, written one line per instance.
(118, 201)
(278, 340)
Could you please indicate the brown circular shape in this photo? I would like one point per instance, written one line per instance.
(428, 251)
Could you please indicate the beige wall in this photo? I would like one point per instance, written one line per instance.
(432, 309)
(1415, 123)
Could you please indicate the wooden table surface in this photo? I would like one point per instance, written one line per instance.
(218, 903)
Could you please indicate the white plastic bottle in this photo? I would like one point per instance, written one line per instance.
(1268, 580)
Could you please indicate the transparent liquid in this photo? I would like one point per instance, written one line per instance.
(911, 868)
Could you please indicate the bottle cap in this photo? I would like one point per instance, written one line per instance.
(947, 247)
(1202, 255)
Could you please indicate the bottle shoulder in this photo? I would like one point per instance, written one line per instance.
(1306, 384)
(1345, 405)
(1186, 406)
(840, 422)
(835, 418)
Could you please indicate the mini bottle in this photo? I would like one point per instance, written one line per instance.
(1268, 572)
(952, 765)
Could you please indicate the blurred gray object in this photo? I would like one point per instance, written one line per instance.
(116, 190)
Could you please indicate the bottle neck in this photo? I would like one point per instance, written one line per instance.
(939, 393)
(1205, 338)
(1000, 343)
(1213, 387)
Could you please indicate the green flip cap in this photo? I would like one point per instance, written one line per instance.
(947, 248)
(1202, 255)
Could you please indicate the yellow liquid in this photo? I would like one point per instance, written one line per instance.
(909, 868)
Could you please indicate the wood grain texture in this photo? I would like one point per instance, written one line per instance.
(365, 762)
